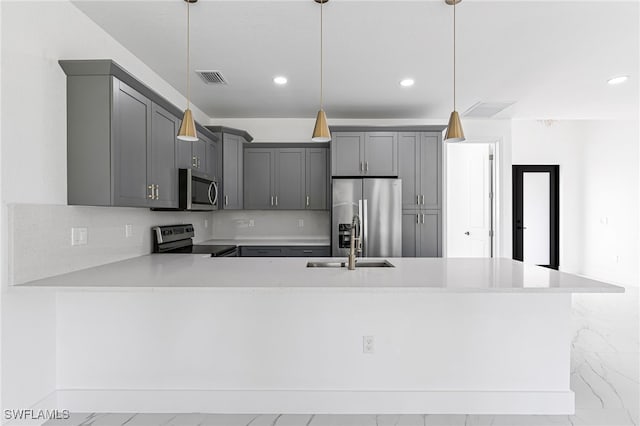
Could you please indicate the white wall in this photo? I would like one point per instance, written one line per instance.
(598, 191)
(34, 36)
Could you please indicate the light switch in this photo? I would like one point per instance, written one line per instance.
(128, 231)
(78, 236)
(251, 223)
(300, 223)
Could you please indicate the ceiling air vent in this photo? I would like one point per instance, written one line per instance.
(212, 77)
(486, 109)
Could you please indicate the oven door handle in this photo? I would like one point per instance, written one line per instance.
(213, 199)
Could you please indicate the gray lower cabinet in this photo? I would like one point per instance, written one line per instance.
(420, 168)
(285, 251)
(232, 172)
(421, 233)
(285, 178)
(364, 154)
(120, 146)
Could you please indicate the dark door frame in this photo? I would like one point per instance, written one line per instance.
(554, 211)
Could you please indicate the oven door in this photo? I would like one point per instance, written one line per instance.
(198, 191)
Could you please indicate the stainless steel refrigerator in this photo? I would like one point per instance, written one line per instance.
(378, 203)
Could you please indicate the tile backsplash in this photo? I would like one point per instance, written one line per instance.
(39, 237)
(237, 224)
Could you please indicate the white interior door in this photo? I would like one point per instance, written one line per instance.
(469, 180)
(535, 218)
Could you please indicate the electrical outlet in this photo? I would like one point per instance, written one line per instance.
(367, 345)
(300, 223)
(206, 223)
(128, 231)
(79, 236)
(251, 223)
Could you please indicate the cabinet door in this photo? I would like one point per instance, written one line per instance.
(381, 154)
(308, 251)
(161, 167)
(316, 179)
(259, 185)
(199, 154)
(232, 172)
(210, 161)
(262, 251)
(410, 233)
(347, 155)
(430, 187)
(409, 168)
(290, 178)
(184, 156)
(131, 133)
(430, 234)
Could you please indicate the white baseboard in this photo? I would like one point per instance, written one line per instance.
(317, 402)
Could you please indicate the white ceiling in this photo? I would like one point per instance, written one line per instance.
(553, 58)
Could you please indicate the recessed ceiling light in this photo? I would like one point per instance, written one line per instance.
(618, 80)
(280, 80)
(407, 82)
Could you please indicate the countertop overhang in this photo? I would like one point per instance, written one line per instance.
(454, 275)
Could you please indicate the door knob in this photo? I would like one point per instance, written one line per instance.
(467, 233)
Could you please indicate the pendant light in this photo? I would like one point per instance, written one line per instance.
(187, 130)
(454, 129)
(321, 130)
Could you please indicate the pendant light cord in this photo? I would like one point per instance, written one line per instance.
(454, 55)
(321, 56)
(188, 56)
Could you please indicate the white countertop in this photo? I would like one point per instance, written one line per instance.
(270, 241)
(179, 271)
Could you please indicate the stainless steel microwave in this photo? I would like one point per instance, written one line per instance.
(197, 191)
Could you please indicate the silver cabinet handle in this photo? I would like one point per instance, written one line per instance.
(361, 167)
(417, 218)
(150, 194)
(422, 202)
(307, 201)
(423, 218)
(226, 200)
(417, 199)
(272, 200)
(366, 166)
(157, 192)
(194, 161)
(276, 200)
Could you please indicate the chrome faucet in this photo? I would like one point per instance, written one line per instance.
(353, 248)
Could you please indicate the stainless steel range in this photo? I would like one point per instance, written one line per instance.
(179, 239)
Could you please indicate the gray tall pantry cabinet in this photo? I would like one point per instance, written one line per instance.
(413, 154)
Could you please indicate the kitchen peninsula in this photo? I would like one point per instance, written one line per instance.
(187, 333)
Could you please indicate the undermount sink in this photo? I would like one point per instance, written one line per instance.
(359, 264)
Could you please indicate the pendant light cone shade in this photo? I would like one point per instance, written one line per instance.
(454, 129)
(321, 130)
(187, 131)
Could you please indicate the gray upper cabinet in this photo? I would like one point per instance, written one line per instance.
(421, 233)
(293, 178)
(232, 172)
(132, 128)
(259, 178)
(316, 179)
(290, 179)
(364, 154)
(161, 161)
(122, 148)
(347, 154)
(420, 168)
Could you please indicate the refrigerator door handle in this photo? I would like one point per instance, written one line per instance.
(365, 252)
(361, 226)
